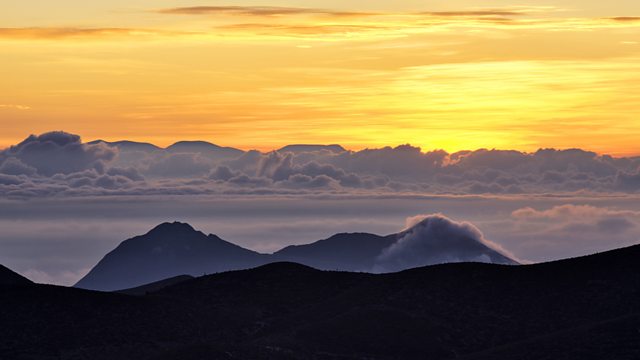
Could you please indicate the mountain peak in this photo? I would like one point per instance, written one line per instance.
(173, 227)
(195, 143)
(169, 249)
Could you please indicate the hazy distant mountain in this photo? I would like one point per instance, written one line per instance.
(434, 240)
(173, 249)
(584, 308)
(129, 146)
(296, 148)
(348, 252)
(8, 277)
(206, 149)
(170, 249)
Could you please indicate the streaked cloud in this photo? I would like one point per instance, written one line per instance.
(260, 11)
(271, 11)
(14, 106)
(626, 18)
(78, 33)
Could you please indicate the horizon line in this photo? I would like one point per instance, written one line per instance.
(264, 150)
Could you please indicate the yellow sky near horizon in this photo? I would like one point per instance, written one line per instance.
(560, 73)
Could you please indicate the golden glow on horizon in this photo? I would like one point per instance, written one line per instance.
(463, 77)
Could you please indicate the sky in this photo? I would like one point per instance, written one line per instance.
(554, 85)
(448, 75)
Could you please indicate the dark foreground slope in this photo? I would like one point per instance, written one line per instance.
(585, 308)
(8, 277)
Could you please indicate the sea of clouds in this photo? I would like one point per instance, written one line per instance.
(60, 164)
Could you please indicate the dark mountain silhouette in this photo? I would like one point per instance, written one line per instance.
(173, 249)
(206, 149)
(155, 286)
(347, 252)
(8, 277)
(126, 145)
(296, 148)
(583, 308)
(432, 241)
(168, 250)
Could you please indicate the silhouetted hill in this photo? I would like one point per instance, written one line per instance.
(176, 249)
(205, 148)
(8, 277)
(126, 145)
(347, 252)
(155, 286)
(431, 241)
(296, 148)
(584, 308)
(168, 250)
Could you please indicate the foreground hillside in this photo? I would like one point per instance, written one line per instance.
(585, 308)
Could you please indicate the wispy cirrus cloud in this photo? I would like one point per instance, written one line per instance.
(288, 21)
(36, 33)
(15, 106)
(260, 11)
(273, 11)
(474, 13)
(626, 18)
(302, 30)
(294, 22)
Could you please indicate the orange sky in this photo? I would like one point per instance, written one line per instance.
(263, 74)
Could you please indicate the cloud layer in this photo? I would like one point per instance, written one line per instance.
(59, 163)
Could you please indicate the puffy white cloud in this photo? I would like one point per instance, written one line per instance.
(223, 173)
(576, 229)
(574, 219)
(276, 166)
(13, 166)
(628, 182)
(406, 169)
(11, 179)
(302, 181)
(130, 173)
(179, 165)
(436, 239)
(58, 152)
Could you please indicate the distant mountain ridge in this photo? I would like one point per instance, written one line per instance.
(205, 147)
(173, 249)
(348, 252)
(296, 148)
(168, 250)
(127, 145)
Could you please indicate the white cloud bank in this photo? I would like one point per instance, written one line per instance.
(60, 164)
